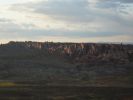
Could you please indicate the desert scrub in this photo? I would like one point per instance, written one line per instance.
(7, 84)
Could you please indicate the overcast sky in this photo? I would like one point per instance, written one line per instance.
(66, 20)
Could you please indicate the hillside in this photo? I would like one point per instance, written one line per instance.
(67, 63)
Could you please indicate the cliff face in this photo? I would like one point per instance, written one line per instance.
(81, 52)
(116, 53)
(95, 63)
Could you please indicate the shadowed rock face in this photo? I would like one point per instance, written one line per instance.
(96, 63)
(81, 52)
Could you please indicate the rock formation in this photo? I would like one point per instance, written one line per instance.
(82, 52)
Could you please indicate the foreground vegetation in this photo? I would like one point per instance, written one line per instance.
(42, 92)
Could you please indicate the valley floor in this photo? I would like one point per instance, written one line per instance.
(35, 91)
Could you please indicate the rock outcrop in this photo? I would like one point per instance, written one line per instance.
(90, 62)
(82, 52)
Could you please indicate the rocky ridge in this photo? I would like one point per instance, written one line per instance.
(82, 52)
(83, 63)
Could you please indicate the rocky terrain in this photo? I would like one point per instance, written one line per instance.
(67, 63)
(80, 52)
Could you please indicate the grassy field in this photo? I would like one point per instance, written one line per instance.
(14, 91)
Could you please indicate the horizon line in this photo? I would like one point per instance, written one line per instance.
(70, 42)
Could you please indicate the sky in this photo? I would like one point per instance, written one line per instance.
(66, 20)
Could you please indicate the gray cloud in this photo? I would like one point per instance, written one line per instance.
(108, 4)
(69, 10)
(115, 4)
(4, 20)
(74, 12)
(124, 1)
(121, 1)
(14, 30)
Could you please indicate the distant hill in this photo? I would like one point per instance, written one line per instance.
(83, 63)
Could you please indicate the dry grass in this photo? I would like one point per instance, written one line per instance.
(7, 84)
